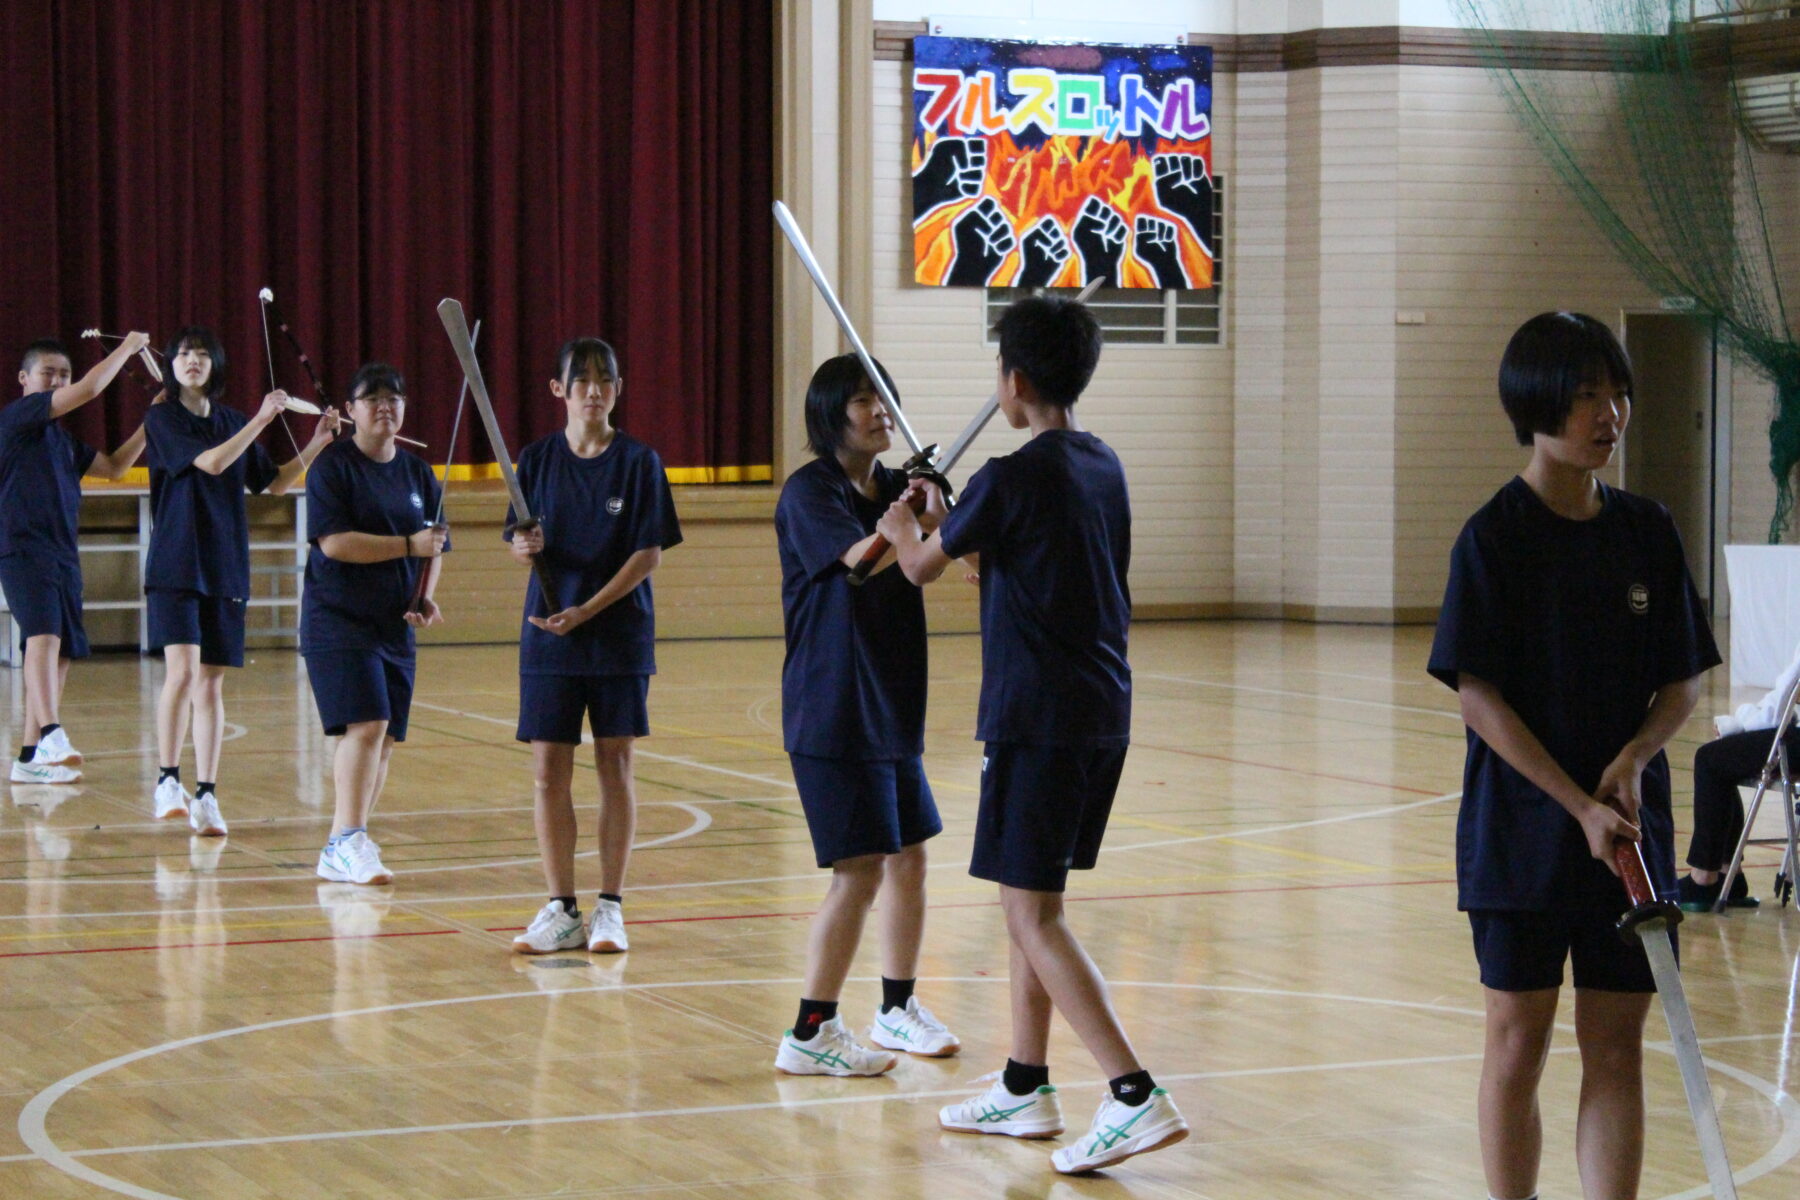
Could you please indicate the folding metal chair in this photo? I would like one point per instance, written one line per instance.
(1775, 770)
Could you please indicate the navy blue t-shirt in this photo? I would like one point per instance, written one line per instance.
(853, 681)
(362, 606)
(40, 484)
(200, 541)
(1578, 624)
(1052, 523)
(596, 513)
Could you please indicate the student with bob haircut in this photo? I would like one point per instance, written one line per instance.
(606, 515)
(853, 722)
(41, 467)
(1575, 641)
(203, 455)
(1051, 523)
(368, 517)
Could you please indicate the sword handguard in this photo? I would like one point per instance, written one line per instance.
(1645, 907)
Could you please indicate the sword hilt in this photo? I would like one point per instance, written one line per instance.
(546, 579)
(865, 566)
(417, 604)
(1645, 907)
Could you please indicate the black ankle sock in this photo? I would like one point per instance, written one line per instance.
(49, 729)
(813, 1013)
(1132, 1089)
(169, 773)
(568, 903)
(26, 753)
(1022, 1079)
(202, 789)
(619, 900)
(895, 993)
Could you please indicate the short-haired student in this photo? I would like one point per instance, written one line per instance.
(853, 723)
(605, 515)
(1050, 525)
(41, 467)
(1575, 640)
(369, 508)
(203, 457)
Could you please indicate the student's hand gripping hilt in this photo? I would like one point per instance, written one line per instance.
(417, 605)
(539, 567)
(917, 467)
(1645, 907)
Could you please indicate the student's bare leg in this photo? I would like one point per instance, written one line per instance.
(209, 721)
(1034, 921)
(902, 906)
(181, 664)
(553, 809)
(1031, 1010)
(1609, 1133)
(837, 927)
(618, 810)
(358, 770)
(45, 672)
(1519, 1025)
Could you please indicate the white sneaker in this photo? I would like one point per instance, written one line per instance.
(1120, 1131)
(553, 929)
(914, 1030)
(204, 816)
(1037, 1115)
(171, 799)
(53, 750)
(832, 1051)
(607, 929)
(36, 772)
(355, 859)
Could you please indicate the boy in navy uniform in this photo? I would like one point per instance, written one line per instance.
(1575, 640)
(853, 723)
(41, 467)
(368, 517)
(1051, 524)
(203, 455)
(589, 651)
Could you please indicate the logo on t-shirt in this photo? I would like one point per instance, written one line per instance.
(616, 505)
(1640, 599)
(418, 503)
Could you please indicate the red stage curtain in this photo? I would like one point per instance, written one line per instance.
(594, 167)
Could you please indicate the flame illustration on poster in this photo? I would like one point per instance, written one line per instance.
(1054, 166)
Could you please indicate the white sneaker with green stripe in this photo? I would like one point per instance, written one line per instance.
(1120, 1131)
(1036, 1115)
(913, 1030)
(831, 1051)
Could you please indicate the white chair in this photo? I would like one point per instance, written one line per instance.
(1774, 771)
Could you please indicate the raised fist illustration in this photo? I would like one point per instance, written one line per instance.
(1184, 188)
(1100, 240)
(952, 170)
(1044, 249)
(983, 239)
(1158, 246)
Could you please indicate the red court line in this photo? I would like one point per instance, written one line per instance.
(1244, 762)
(258, 942)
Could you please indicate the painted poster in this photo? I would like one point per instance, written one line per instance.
(1040, 165)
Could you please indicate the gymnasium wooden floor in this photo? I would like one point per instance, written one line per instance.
(1274, 910)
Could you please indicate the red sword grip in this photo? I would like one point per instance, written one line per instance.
(1635, 875)
(865, 566)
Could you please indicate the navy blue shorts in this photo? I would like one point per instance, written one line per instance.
(44, 600)
(184, 618)
(1524, 951)
(1043, 812)
(353, 686)
(855, 808)
(551, 707)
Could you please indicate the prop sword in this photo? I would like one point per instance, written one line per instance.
(1649, 921)
(942, 467)
(462, 394)
(450, 312)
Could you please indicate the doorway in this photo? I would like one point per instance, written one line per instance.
(1672, 445)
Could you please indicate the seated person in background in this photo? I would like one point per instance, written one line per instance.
(1719, 766)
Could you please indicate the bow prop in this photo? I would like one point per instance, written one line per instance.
(462, 395)
(147, 356)
(295, 405)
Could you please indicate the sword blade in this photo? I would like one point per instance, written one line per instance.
(968, 435)
(797, 240)
(450, 312)
(1687, 1056)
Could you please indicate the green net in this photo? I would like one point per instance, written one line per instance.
(1647, 138)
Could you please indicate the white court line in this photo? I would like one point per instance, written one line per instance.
(33, 1117)
(701, 821)
(1320, 697)
(232, 733)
